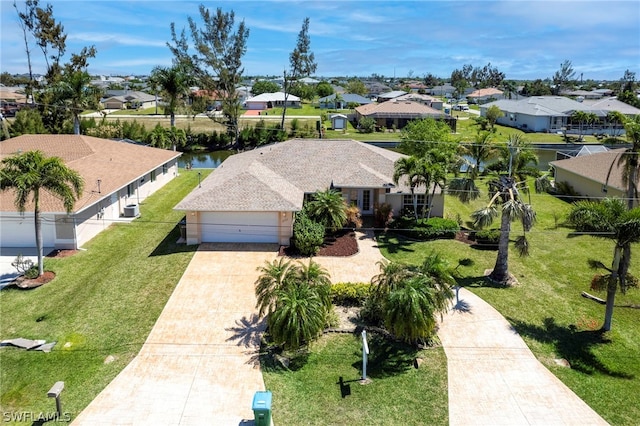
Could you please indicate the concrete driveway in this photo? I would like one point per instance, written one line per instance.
(198, 366)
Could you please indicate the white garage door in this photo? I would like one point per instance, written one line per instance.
(239, 227)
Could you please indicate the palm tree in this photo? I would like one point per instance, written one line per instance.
(299, 316)
(408, 297)
(480, 151)
(611, 220)
(77, 94)
(174, 84)
(158, 137)
(30, 173)
(615, 120)
(274, 277)
(504, 190)
(314, 275)
(409, 166)
(328, 208)
(628, 160)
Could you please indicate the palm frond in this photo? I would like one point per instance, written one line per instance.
(522, 246)
(484, 217)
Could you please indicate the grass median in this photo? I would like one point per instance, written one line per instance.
(100, 307)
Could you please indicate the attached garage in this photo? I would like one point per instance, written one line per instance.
(239, 227)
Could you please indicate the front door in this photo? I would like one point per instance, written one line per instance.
(365, 202)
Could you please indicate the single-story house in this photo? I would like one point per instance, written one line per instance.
(481, 96)
(593, 176)
(582, 94)
(387, 96)
(398, 114)
(553, 114)
(347, 98)
(445, 90)
(128, 99)
(271, 100)
(422, 99)
(118, 176)
(252, 196)
(374, 88)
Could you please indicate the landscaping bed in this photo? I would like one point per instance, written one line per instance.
(343, 243)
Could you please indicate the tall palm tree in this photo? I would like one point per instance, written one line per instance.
(611, 220)
(504, 190)
(174, 84)
(28, 175)
(409, 168)
(77, 94)
(628, 160)
(328, 208)
(473, 155)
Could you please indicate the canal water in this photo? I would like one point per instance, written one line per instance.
(203, 160)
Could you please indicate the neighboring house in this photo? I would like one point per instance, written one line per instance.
(579, 151)
(347, 98)
(309, 80)
(582, 94)
(482, 96)
(423, 99)
(445, 90)
(387, 96)
(271, 100)
(553, 114)
(391, 113)
(593, 176)
(375, 88)
(252, 196)
(118, 176)
(128, 99)
(338, 121)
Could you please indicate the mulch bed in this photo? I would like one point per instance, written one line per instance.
(62, 253)
(342, 243)
(26, 283)
(463, 237)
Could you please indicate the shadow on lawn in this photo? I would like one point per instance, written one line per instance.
(401, 244)
(571, 344)
(169, 245)
(481, 281)
(386, 358)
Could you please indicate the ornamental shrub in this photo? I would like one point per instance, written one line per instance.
(350, 294)
(308, 235)
(426, 229)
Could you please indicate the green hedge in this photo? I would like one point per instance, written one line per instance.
(308, 235)
(350, 294)
(426, 229)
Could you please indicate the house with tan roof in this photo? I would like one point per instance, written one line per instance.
(118, 177)
(396, 113)
(485, 95)
(594, 176)
(271, 100)
(252, 196)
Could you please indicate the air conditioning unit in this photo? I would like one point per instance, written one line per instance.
(131, 210)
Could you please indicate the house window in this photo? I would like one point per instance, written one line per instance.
(407, 201)
(165, 168)
(130, 190)
(153, 176)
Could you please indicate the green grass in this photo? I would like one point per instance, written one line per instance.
(547, 309)
(309, 392)
(305, 109)
(103, 301)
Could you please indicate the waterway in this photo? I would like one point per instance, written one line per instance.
(203, 159)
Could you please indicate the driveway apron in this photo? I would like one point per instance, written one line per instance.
(199, 364)
(494, 379)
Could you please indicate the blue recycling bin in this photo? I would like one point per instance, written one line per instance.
(262, 408)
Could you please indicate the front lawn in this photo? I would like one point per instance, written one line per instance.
(309, 393)
(100, 307)
(546, 306)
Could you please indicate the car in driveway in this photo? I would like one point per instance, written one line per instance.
(461, 107)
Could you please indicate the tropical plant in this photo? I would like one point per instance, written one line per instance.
(492, 115)
(174, 85)
(516, 158)
(31, 173)
(77, 94)
(308, 235)
(611, 220)
(296, 299)
(27, 121)
(408, 297)
(628, 160)
(366, 125)
(328, 208)
(264, 86)
(473, 155)
(504, 190)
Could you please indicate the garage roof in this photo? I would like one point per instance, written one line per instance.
(276, 177)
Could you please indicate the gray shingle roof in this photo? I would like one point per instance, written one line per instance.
(276, 177)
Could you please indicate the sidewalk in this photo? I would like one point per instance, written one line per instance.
(494, 379)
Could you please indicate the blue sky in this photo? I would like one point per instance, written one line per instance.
(523, 39)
